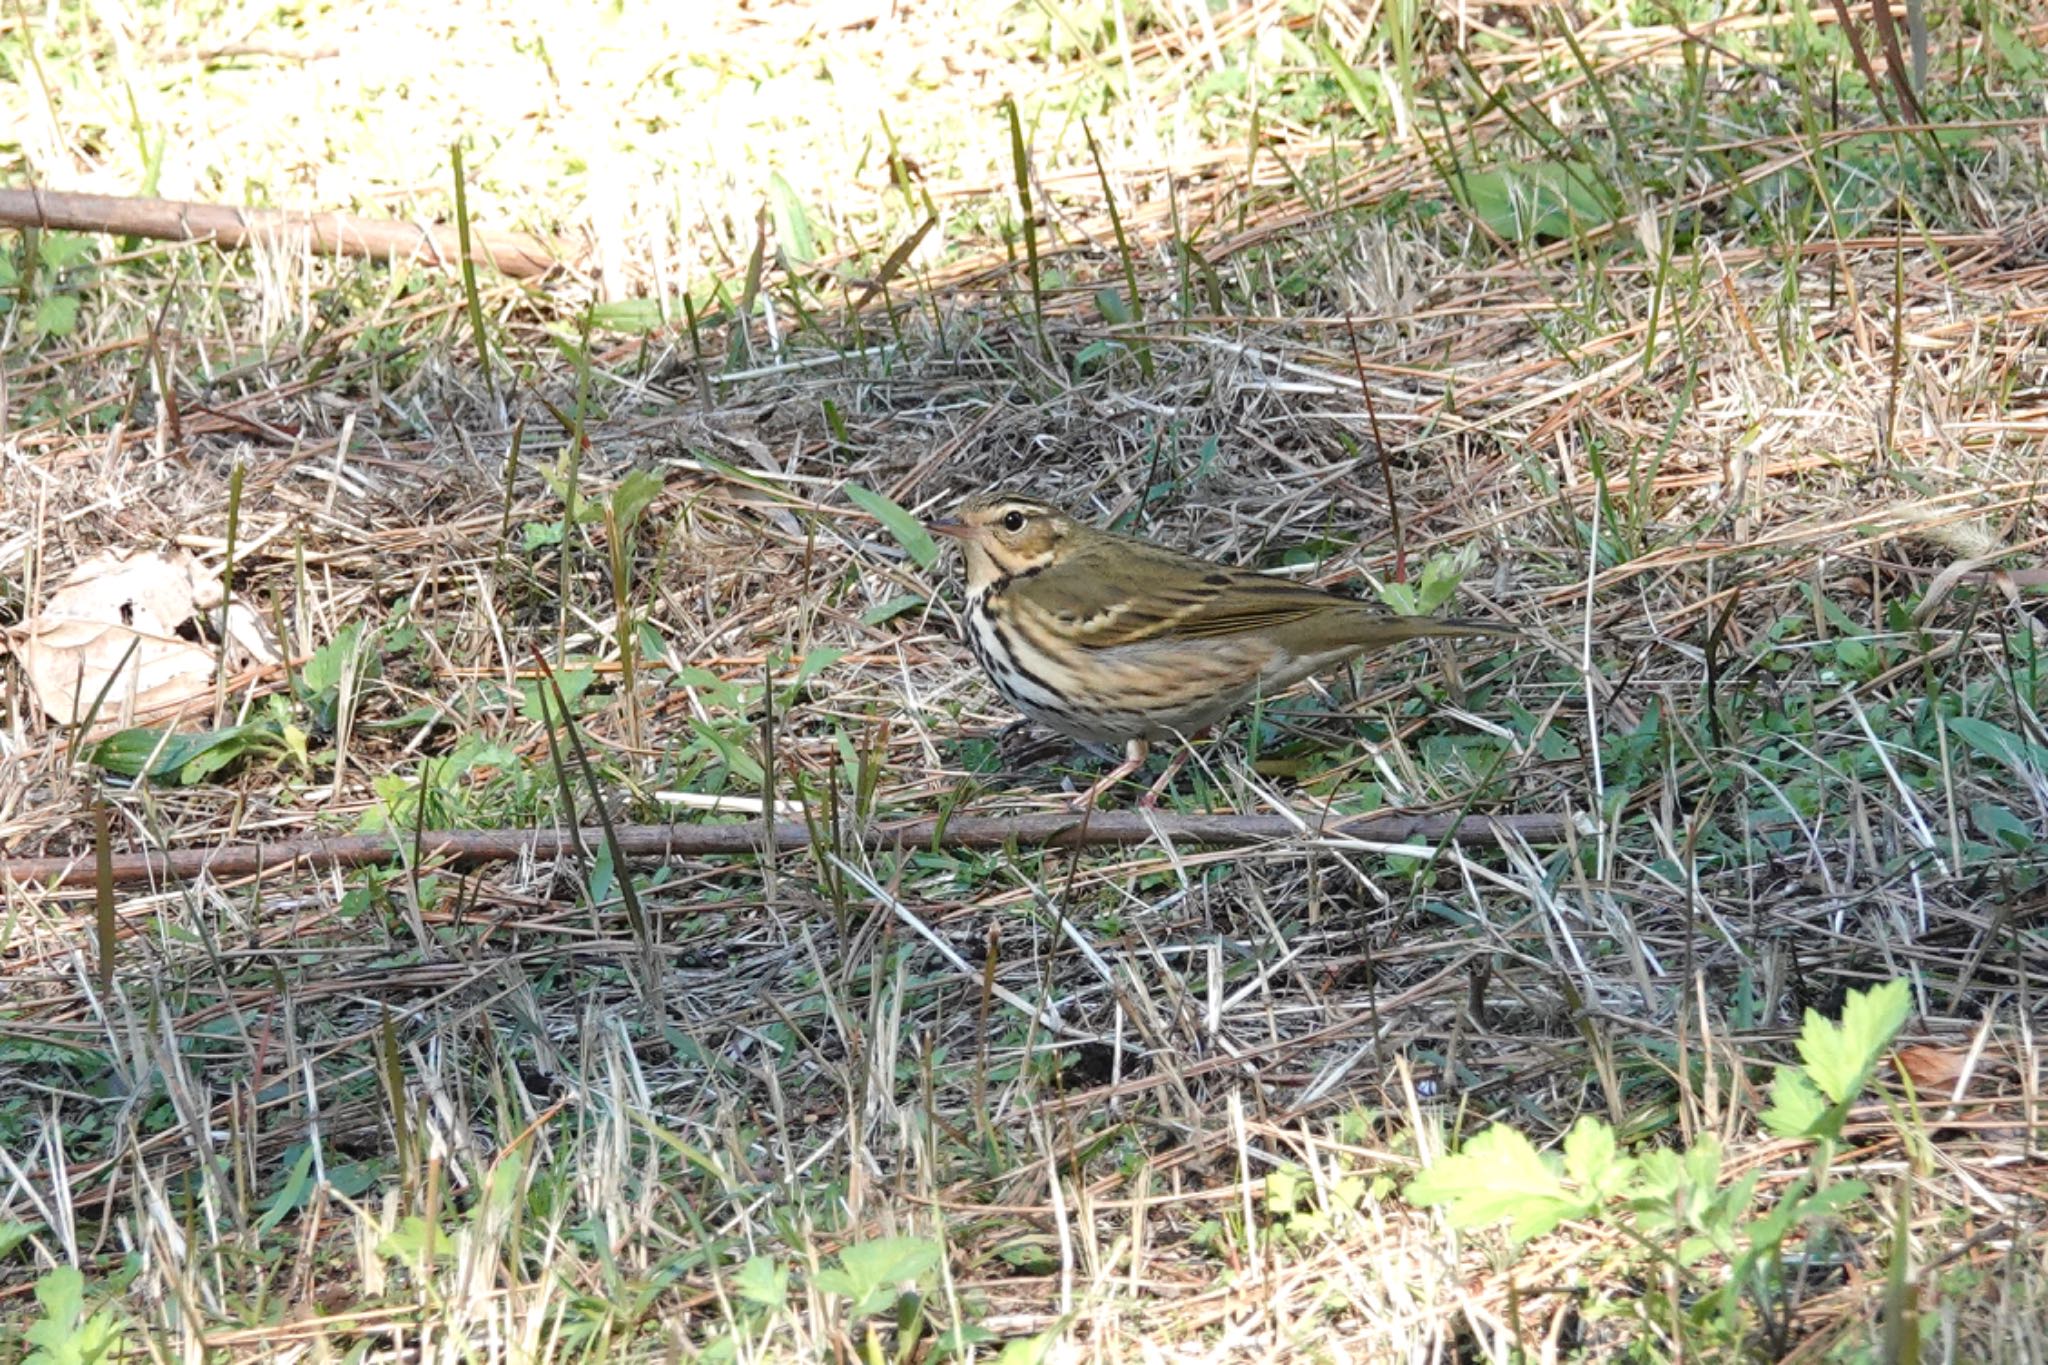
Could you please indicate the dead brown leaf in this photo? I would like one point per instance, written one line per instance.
(106, 645)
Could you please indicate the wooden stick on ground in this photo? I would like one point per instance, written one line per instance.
(330, 234)
(471, 847)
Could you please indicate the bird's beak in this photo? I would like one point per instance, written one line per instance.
(949, 527)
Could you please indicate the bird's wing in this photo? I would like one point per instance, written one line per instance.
(1148, 593)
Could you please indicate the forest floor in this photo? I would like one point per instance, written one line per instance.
(1708, 346)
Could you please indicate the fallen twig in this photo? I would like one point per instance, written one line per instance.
(330, 234)
(470, 847)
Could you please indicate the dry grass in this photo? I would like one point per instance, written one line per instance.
(1761, 479)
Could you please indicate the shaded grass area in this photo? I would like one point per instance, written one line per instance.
(1673, 340)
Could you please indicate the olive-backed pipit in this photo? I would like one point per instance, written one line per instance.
(1113, 640)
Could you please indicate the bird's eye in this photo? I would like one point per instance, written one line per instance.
(1013, 521)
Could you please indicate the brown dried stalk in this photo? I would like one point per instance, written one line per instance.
(469, 847)
(330, 234)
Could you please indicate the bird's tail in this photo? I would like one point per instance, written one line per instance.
(1465, 625)
(1377, 630)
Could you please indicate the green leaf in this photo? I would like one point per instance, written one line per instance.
(793, 232)
(320, 679)
(1593, 1161)
(720, 693)
(954, 1341)
(891, 609)
(2000, 824)
(1659, 1199)
(2016, 52)
(1094, 353)
(1546, 200)
(62, 1295)
(2028, 762)
(1400, 598)
(908, 530)
(1442, 574)
(626, 315)
(140, 751)
(762, 1282)
(574, 682)
(66, 1334)
(227, 747)
(504, 1186)
(1029, 1350)
(634, 494)
(1797, 1110)
(576, 508)
(1840, 1058)
(1361, 89)
(352, 1178)
(733, 756)
(1029, 1258)
(56, 315)
(815, 662)
(835, 422)
(1499, 1175)
(291, 1194)
(63, 250)
(180, 759)
(1286, 1187)
(869, 1272)
(1835, 1199)
(408, 1241)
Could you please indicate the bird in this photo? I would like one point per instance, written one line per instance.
(1116, 641)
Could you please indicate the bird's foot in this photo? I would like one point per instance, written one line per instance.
(1153, 794)
(1134, 759)
(1102, 786)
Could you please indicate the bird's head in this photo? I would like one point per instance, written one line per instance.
(1005, 535)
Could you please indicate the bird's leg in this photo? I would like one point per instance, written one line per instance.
(1180, 758)
(1135, 754)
